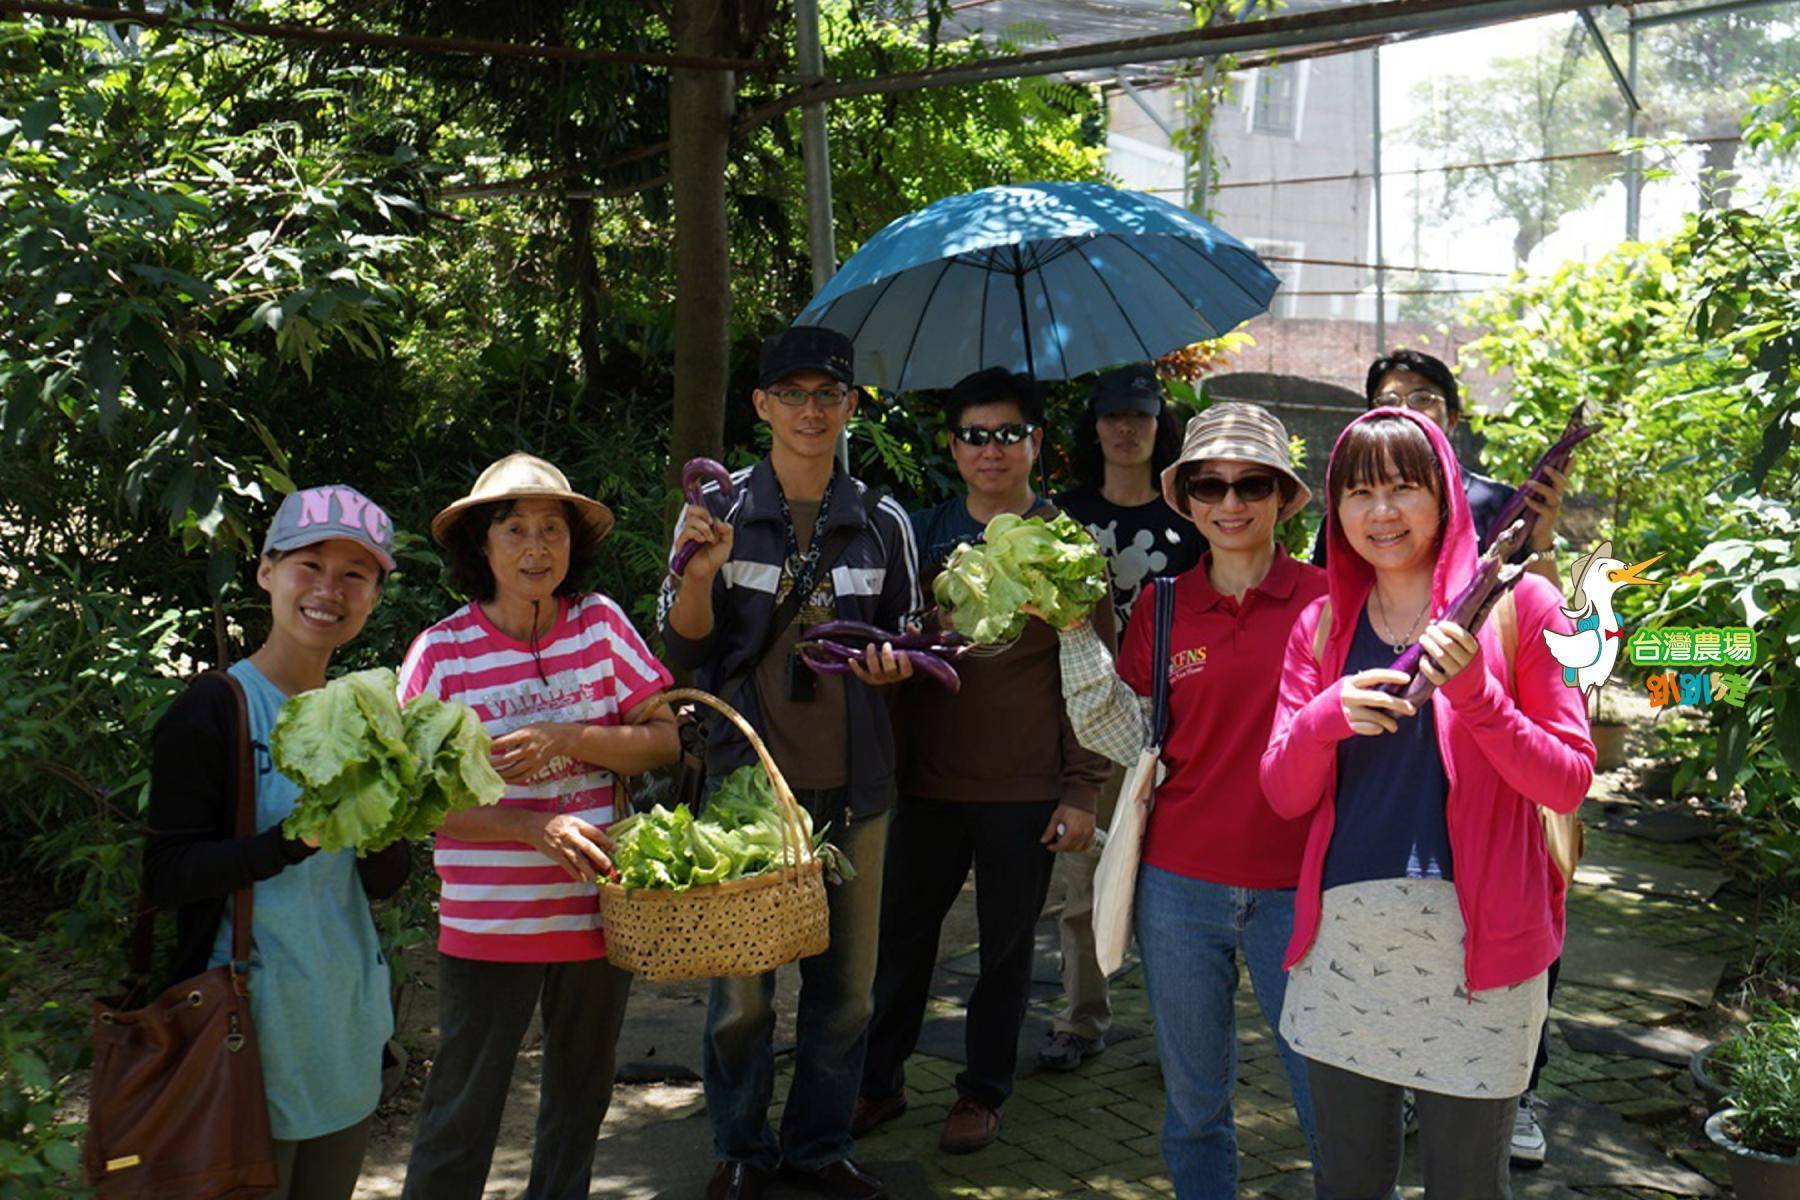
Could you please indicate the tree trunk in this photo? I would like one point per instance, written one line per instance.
(700, 113)
(584, 277)
(1718, 172)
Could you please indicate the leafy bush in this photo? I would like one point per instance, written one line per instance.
(42, 1042)
(1764, 1061)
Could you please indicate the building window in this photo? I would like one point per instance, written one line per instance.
(1277, 101)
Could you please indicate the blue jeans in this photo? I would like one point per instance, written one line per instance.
(836, 999)
(1191, 933)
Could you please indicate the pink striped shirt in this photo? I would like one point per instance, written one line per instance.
(504, 901)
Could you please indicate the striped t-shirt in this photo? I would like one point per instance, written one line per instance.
(504, 901)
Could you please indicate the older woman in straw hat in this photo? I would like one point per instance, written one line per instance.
(1216, 884)
(567, 689)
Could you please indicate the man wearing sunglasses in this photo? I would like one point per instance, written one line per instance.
(1423, 383)
(800, 541)
(991, 777)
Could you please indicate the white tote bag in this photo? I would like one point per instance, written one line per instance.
(1115, 879)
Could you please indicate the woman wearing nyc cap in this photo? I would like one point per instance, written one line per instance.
(565, 686)
(1428, 908)
(1216, 887)
(318, 982)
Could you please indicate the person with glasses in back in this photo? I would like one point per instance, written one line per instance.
(1417, 381)
(1215, 888)
(990, 777)
(800, 541)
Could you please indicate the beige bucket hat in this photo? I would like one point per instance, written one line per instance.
(522, 476)
(1243, 433)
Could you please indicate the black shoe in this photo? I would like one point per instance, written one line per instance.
(737, 1181)
(1066, 1051)
(842, 1179)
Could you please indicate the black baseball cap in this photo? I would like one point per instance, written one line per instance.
(1133, 388)
(806, 348)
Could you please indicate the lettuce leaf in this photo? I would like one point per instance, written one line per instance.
(370, 773)
(1055, 566)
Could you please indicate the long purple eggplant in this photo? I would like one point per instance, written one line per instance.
(1466, 606)
(828, 657)
(693, 481)
(1420, 688)
(1558, 456)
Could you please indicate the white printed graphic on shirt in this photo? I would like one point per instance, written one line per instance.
(1131, 566)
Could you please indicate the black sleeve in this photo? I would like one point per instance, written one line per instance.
(1318, 554)
(384, 872)
(190, 853)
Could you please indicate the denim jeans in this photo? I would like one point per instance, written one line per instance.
(1192, 934)
(484, 1011)
(1464, 1145)
(935, 842)
(832, 1024)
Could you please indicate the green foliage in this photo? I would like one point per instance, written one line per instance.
(1688, 353)
(42, 1043)
(1764, 1060)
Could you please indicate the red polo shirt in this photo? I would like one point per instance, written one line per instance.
(1210, 820)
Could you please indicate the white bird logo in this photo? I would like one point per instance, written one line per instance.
(1587, 655)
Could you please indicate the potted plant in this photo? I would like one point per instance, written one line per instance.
(1608, 730)
(1760, 1129)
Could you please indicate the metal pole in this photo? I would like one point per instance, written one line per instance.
(815, 151)
(1203, 182)
(1380, 243)
(1709, 10)
(1633, 162)
(821, 242)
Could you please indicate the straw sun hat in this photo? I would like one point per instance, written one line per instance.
(1243, 433)
(522, 476)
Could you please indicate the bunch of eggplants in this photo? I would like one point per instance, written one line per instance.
(830, 648)
(1558, 456)
(693, 479)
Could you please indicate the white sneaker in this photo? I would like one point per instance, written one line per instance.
(1528, 1143)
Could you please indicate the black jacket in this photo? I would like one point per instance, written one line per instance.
(193, 860)
(876, 581)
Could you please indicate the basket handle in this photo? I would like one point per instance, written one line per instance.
(793, 833)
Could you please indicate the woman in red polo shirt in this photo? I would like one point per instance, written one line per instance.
(1219, 867)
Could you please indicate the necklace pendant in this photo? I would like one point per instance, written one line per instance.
(1399, 647)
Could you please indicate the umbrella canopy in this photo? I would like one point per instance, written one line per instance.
(1051, 279)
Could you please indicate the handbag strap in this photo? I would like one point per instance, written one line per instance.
(143, 931)
(1162, 601)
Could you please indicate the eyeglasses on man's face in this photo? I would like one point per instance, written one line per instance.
(1211, 489)
(1005, 435)
(825, 397)
(1421, 400)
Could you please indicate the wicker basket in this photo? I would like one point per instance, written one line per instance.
(743, 927)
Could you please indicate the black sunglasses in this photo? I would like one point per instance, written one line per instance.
(1210, 489)
(1006, 435)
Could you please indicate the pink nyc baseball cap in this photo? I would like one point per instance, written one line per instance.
(334, 510)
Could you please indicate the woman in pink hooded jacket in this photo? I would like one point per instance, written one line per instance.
(1428, 907)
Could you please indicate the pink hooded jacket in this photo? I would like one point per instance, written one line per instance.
(1507, 745)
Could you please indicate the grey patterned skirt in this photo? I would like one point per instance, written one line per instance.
(1381, 993)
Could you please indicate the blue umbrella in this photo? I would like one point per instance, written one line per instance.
(1052, 279)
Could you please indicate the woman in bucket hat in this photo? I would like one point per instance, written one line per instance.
(318, 982)
(567, 689)
(1216, 884)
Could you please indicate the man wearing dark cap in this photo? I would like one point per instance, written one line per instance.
(798, 542)
(991, 778)
(1122, 443)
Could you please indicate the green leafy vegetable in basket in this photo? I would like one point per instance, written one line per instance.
(372, 773)
(737, 836)
(1055, 566)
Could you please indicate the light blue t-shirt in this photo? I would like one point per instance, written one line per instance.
(318, 980)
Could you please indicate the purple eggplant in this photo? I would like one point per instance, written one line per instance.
(848, 629)
(1420, 688)
(1557, 456)
(693, 480)
(828, 657)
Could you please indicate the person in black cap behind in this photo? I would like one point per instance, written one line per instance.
(1124, 439)
(991, 777)
(796, 525)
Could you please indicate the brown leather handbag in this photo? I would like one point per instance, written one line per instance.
(178, 1108)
